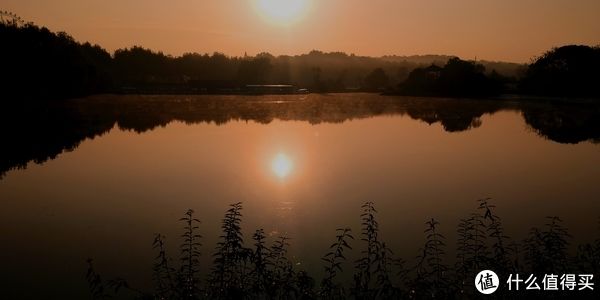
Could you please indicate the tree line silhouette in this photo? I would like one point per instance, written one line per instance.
(40, 65)
(250, 268)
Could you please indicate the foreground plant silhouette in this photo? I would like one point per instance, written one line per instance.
(265, 272)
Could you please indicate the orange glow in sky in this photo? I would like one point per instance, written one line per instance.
(282, 12)
(509, 30)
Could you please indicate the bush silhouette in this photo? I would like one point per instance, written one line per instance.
(265, 272)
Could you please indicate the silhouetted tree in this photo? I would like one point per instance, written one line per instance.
(422, 81)
(377, 80)
(568, 71)
(255, 70)
(38, 64)
(458, 78)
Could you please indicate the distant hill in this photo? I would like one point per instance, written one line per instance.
(427, 59)
(508, 69)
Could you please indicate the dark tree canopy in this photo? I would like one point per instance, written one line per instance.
(377, 80)
(458, 78)
(37, 63)
(568, 71)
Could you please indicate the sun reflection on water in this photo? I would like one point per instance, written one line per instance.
(282, 165)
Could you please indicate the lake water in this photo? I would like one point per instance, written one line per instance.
(97, 177)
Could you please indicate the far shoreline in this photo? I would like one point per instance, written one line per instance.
(502, 97)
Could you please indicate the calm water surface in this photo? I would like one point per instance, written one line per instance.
(302, 166)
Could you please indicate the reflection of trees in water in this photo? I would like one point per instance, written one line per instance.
(565, 123)
(454, 115)
(36, 134)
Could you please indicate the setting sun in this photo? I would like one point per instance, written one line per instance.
(282, 165)
(282, 11)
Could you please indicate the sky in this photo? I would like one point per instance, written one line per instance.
(503, 30)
